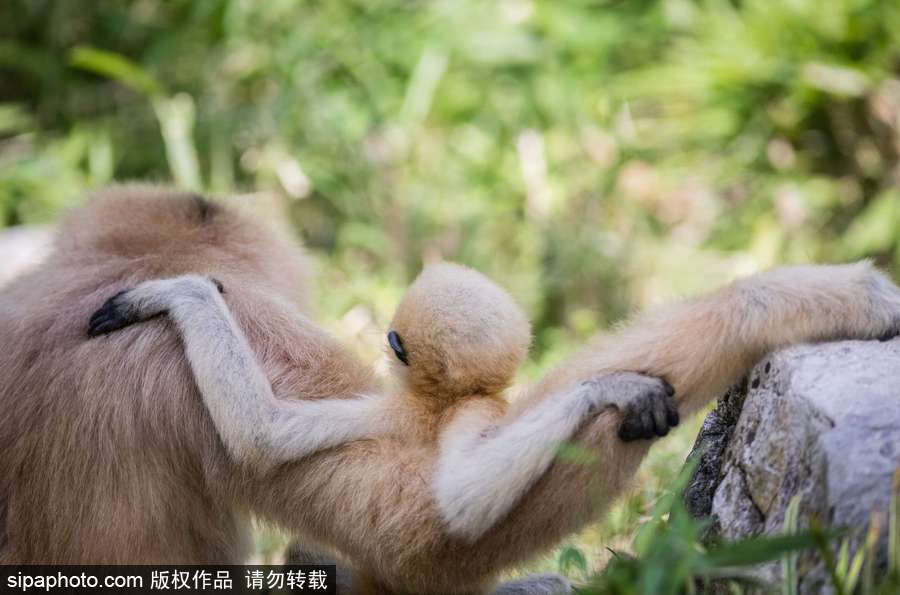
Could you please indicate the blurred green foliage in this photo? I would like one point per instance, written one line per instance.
(591, 155)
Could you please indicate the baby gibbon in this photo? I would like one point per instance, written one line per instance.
(458, 339)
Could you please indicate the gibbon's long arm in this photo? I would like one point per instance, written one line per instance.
(704, 345)
(258, 429)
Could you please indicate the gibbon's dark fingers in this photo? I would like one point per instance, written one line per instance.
(129, 306)
(646, 403)
(112, 316)
(650, 416)
(894, 331)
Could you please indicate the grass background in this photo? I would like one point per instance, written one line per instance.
(593, 156)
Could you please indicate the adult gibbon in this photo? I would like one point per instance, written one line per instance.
(107, 453)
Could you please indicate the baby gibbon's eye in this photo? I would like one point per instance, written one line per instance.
(397, 345)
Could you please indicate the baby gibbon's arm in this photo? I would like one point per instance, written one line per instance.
(257, 428)
(472, 498)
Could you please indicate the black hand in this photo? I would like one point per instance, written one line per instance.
(111, 316)
(652, 414)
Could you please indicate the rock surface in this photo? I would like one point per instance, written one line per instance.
(821, 421)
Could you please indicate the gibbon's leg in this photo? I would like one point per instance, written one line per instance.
(473, 497)
(258, 429)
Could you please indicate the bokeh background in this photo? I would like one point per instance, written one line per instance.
(592, 156)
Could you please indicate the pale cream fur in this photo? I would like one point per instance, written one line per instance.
(107, 453)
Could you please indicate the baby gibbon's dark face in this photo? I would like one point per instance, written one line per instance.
(396, 344)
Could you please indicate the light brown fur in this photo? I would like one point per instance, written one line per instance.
(465, 338)
(464, 333)
(107, 454)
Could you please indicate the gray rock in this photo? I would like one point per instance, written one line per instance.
(710, 446)
(821, 421)
(535, 584)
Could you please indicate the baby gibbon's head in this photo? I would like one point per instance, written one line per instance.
(457, 333)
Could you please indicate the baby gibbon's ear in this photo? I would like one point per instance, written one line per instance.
(458, 333)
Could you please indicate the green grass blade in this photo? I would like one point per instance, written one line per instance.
(116, 67)
(789, 563)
